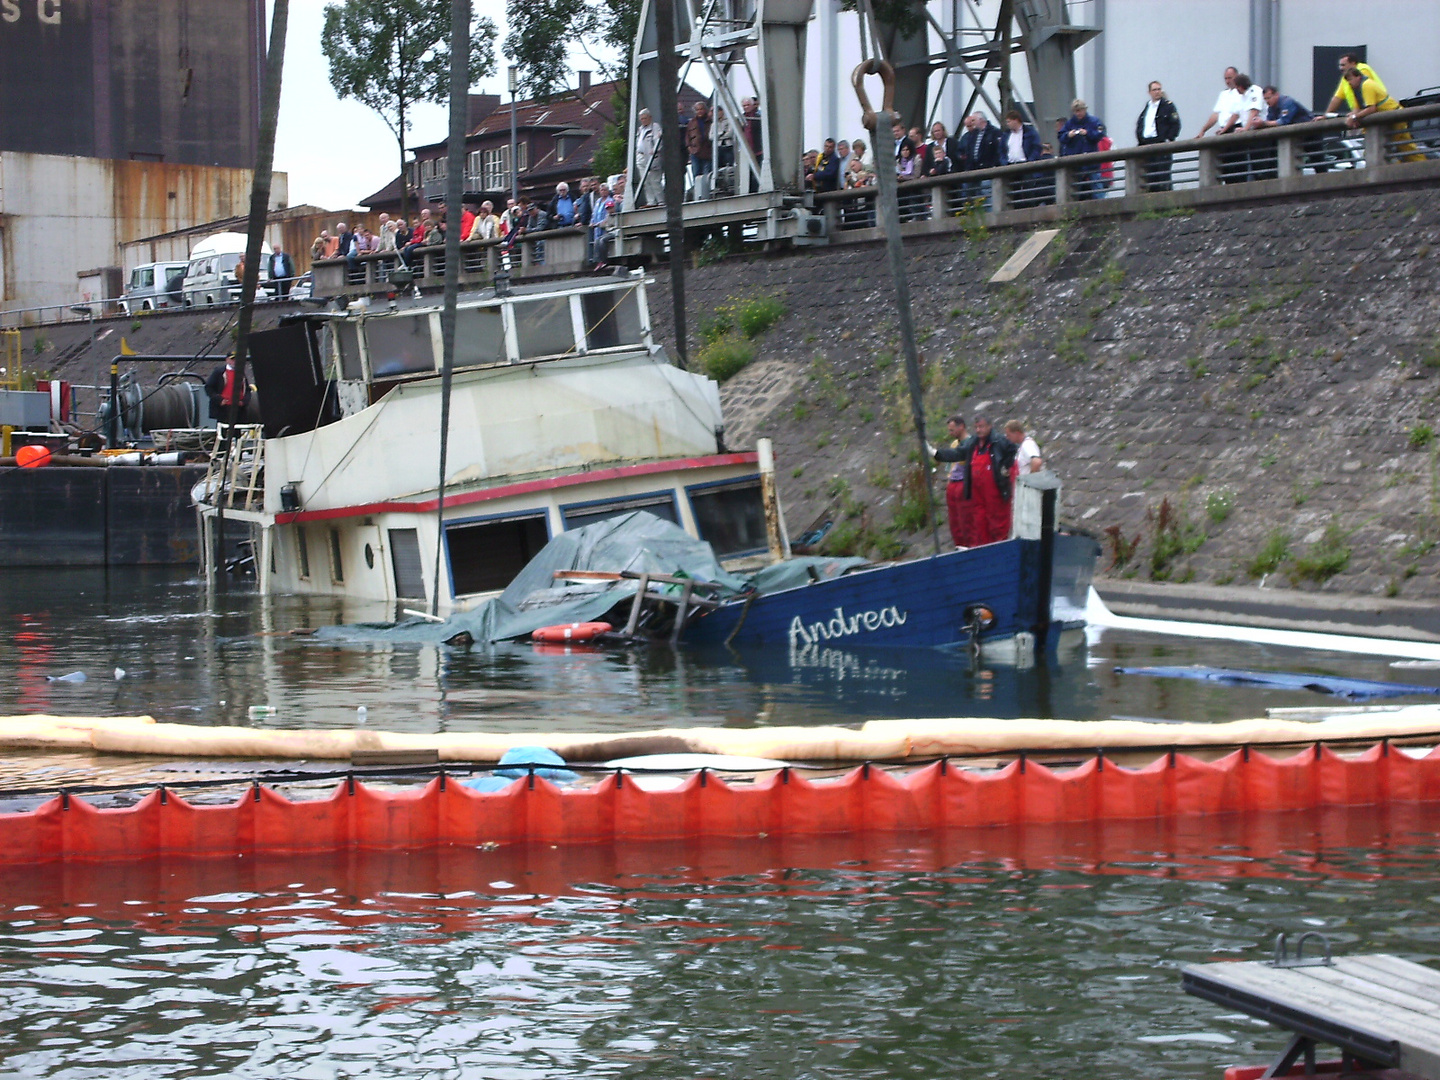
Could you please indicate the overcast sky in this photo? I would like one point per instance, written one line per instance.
(337, 152)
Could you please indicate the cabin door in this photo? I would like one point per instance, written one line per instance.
(374, 560)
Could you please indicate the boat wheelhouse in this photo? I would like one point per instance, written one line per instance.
(563, 412)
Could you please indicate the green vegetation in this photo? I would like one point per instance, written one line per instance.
(1161, 215)
(39, 344)
(1067, 346)
(1324, 559)
(757, 315)
(1219, 504)
(390, 55)
(1227, 322)
(725, 357)
(1274, 551)
(800, 410)
(1197, 367)
(1421, 436)
(1121, 550)
(1175, 536)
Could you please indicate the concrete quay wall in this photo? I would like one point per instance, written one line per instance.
(1270, 370)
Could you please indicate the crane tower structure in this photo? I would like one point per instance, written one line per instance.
(757, 49)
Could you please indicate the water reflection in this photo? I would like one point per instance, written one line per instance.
(188, 660)
(1051, 952)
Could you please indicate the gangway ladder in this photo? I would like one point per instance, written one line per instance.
(224, 472)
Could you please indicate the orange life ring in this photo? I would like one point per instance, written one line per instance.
(577, 631)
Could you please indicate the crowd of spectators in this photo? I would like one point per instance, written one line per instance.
(711, 140)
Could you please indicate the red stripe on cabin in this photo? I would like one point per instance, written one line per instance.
(525, 488)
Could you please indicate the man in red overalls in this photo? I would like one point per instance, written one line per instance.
(988, 485)
(957, 509)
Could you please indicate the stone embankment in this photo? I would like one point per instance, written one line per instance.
(1233, 396)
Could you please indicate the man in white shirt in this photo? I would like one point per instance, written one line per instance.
(1239, 106)
(647, 161)
(1227, 106)
(1027, 457)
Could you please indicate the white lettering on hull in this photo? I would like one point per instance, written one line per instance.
(841, 626)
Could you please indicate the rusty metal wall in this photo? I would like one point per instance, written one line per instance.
(65, 215)
(153, 80)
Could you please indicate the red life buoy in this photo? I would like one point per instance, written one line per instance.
(578, 631)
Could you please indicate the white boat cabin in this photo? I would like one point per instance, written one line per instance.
(563, 412)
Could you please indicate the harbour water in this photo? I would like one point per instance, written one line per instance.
(1047, 952)
(194, 659)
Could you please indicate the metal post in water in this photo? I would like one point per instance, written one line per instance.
(674, 167)
(454, 193)
(770, 499)
(887, 210)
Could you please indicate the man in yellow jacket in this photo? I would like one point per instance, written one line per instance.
(1344, 94)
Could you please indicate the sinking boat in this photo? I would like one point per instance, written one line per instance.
(566, 421)
(564, 412)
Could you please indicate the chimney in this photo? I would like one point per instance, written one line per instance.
(584, 82)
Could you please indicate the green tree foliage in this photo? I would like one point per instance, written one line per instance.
(542, 32)
(541, 35)
(391, 54)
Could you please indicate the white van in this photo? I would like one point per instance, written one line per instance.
(211, 280)
(154, 286)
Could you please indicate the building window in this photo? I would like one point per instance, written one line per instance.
(302, 552)
(495, 168)
(337, 568)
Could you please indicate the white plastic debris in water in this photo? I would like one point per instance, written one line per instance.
(73, 677)
(360, 714)
(119, 673)
(1099, 618)
(260, 712)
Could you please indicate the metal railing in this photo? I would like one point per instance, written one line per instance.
(548, 253)
(1294, 158)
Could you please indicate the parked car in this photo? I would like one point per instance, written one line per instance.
(210, 278)
(154, 286)
(303, 287)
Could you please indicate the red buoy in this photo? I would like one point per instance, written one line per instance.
(576, 631)
(32, 457)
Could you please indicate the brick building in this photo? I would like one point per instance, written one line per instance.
(556, 140)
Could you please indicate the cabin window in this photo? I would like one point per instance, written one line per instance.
(302, 552)
(479, 336)
(405, 560)
(729, 515)
(399, 345)
(486, 555)
(611, 318)
(337, 568)
(543, 327)
(659, 503)
(347, 338)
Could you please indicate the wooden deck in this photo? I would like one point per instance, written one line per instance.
(1381, 1011)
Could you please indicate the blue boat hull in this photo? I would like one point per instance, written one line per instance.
(918, 603)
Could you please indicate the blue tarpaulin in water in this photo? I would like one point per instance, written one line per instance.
(1353, 689)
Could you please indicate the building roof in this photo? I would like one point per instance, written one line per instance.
(583, 111)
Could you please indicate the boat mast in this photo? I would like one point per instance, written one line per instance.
(454, 193)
